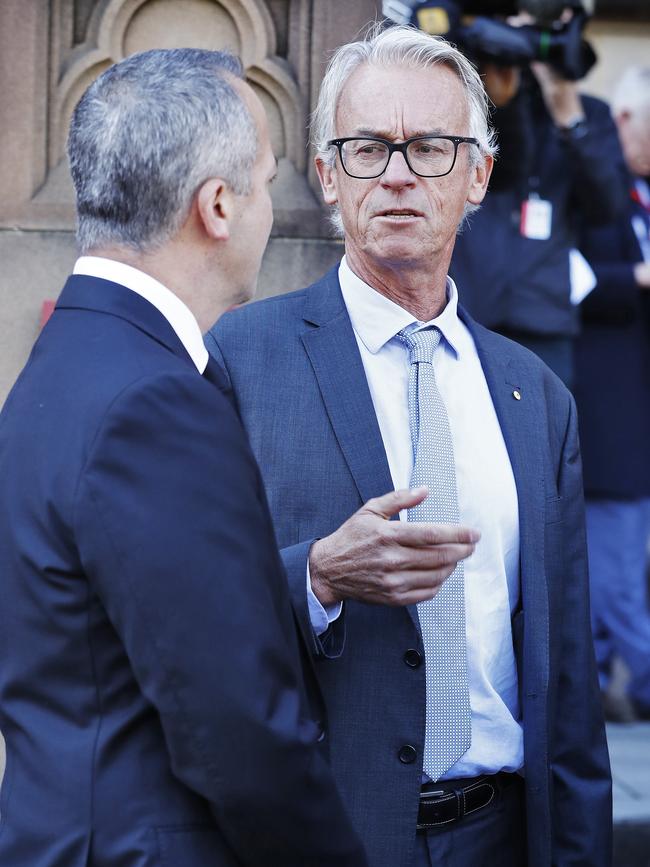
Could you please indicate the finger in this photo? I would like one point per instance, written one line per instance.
(410, 587)
(390, 504)
(425, 580)
(415, 534)
(429, 558)
(414, 597)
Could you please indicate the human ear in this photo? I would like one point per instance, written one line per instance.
(480, 175)
(215, 206)
(327, 178)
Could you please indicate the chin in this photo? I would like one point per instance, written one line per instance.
(399, 250)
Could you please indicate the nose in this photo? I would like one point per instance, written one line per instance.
(397, 173)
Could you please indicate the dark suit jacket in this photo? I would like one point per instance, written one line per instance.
(150, 686)
(613, 366)
(299, 383)
(514, 283)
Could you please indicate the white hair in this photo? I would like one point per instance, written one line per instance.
(406, 46)
(633, 91)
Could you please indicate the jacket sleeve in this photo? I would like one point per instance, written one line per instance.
(177, 543)
(616, 296)
(579, 761)
(595, 160)
(330, 643)
(612, 252)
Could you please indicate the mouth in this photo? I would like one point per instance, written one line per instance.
(399, 214)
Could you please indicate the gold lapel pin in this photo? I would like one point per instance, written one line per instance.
(516, 394)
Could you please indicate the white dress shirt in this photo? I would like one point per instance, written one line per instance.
(487, 499)
(175, 311)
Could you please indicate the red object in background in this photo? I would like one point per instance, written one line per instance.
(47, 309)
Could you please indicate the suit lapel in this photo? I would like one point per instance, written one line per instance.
(522, 423)
(334, 355)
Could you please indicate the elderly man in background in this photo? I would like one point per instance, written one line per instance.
(465, 718)
(613, 397)
(151, 686)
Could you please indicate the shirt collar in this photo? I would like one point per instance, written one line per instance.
(376, 319)
(175, 311)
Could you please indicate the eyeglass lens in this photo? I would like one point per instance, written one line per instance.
(426, 156)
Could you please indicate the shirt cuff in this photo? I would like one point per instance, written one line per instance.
(320, 616)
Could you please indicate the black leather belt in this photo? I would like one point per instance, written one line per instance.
(449, 800)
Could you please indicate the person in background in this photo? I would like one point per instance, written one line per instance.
(559, 166)
(613, 396)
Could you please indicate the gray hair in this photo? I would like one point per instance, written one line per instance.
(633, 91)
(144, 137)
(400, 45)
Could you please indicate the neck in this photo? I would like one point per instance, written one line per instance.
(182, 272)
(419, 289)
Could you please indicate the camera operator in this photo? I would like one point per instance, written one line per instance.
(560, 164)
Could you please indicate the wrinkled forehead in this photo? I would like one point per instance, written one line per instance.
(402, 101)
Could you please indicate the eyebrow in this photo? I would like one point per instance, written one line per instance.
(375, 133)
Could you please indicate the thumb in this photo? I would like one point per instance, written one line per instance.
(390, 504)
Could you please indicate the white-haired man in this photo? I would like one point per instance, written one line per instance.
(151, 686)
(448, 681)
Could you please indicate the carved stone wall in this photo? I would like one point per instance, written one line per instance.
(84, 38)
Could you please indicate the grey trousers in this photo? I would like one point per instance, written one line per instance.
(492, 837)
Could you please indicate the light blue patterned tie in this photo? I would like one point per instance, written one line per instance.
(442, 619)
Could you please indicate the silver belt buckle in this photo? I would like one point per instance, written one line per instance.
(437, 793)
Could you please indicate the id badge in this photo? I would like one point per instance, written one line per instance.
(536, 218)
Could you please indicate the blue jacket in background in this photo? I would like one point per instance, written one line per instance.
(512, 283)
(613, 365)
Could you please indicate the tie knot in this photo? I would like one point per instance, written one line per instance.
(421, 344)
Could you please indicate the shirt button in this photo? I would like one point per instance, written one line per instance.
(412, 658)
(407, 754)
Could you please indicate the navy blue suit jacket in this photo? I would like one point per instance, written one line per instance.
(613, 366)
(299, 383)
(150, 685)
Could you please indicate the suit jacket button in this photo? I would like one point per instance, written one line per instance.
(407, 754)
(413, 658)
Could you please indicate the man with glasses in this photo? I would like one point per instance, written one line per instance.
(463, 702)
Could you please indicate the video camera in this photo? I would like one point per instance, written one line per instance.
(481, 36)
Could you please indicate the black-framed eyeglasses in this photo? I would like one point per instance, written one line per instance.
(429, 156)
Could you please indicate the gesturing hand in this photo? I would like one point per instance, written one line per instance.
(373, 559)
